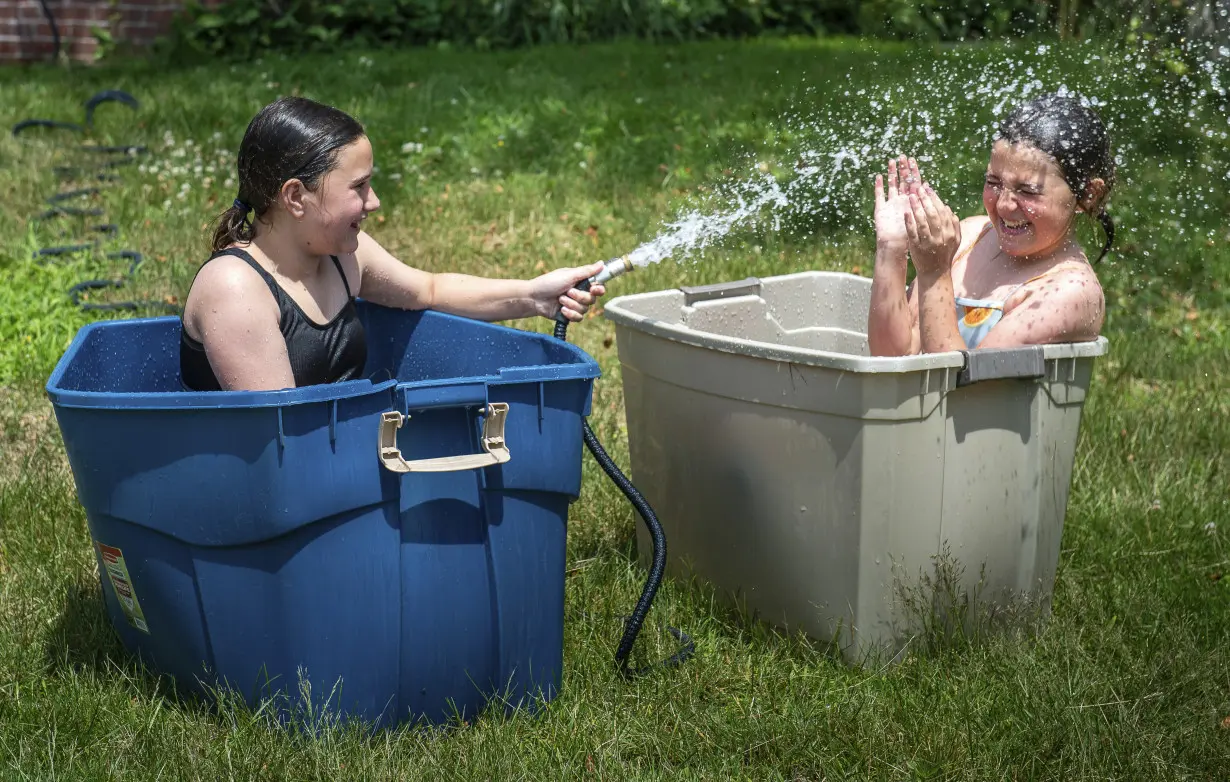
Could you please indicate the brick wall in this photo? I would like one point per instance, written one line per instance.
(25, 33)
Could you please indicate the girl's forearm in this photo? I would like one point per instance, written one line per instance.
(889, 326)
(937, 315)
(482, 298)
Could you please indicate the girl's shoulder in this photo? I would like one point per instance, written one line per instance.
(1072, 263)
(973, 229)
(1071, 279)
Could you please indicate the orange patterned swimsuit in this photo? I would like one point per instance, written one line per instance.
(976, 317)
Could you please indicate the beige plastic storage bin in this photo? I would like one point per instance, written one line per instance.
(816, 485)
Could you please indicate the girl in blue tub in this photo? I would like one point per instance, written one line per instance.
(273, 307)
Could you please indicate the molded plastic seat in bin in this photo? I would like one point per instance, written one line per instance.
(818, 485)
(253, 539)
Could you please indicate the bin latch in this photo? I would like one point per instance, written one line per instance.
(722, 290)
(495, 450)
(1001, 363)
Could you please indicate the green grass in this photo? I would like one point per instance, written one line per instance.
(1128, 680)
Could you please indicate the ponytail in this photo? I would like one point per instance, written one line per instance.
(233, 226)
(1108, 225)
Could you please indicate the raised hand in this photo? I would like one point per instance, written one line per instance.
(934, 232)
(892, 202)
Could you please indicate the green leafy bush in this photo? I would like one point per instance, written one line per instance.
(244, 28)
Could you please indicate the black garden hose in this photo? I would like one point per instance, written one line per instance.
(658, 566)
(59, 204)
(55, 29)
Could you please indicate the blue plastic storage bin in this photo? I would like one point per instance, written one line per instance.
(260, 540)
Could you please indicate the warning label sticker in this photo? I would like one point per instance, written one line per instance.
(113, 562)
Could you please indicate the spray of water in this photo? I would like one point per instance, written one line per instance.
(945, 116)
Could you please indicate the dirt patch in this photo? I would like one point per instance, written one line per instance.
(29, 436)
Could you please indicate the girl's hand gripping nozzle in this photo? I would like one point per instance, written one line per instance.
(613, 268)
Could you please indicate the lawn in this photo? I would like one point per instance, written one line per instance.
(510, 163)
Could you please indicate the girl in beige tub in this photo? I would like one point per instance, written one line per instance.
(1014, 276)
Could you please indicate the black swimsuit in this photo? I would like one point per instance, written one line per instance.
(327, 353)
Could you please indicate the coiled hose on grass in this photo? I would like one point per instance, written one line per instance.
(102, 173)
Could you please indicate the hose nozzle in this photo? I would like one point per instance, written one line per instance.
(613, 268)
(610, 269)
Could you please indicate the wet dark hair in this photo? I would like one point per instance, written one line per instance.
(1076, 138)
(291, 138)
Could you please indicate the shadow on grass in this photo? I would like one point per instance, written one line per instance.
(84, 642)
(727, 614)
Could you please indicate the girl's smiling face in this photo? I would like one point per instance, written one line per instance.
(1028, 201)
(343, 200)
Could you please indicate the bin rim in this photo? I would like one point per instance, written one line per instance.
(621, 311)
(585, 368)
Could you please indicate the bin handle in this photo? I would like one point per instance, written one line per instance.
(495, 450)
(1001, 363)
(721, 290)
